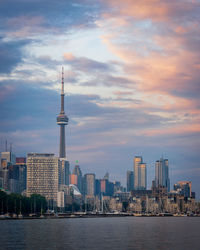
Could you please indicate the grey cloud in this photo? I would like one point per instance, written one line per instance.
(88, 65)
(11, 54)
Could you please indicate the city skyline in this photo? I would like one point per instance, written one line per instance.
(132, 83)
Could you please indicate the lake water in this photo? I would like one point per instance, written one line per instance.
(121, 233)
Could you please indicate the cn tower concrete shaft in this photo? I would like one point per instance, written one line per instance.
(62, 121)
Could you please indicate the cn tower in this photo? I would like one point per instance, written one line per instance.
(62, 120)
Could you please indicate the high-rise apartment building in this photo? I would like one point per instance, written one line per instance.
(162, 174)
(140, 174)
(89, 184)
(43, 175)
(130, 181)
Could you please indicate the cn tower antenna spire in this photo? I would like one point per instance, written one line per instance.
(62, 90)
(62, 120)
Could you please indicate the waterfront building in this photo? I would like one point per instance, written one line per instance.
(140, 174)
(130, 181)
(162, 174)
(89, 184)
(43, 175)
(61, 199)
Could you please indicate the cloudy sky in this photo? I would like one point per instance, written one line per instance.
(132, 82)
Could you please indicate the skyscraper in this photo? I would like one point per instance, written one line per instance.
(130, 181)
(77, 171)
(143, 176)
(8, 156)
(62, 121)
(43, 175)
(140, 174)
(89, 184)
(162, 173)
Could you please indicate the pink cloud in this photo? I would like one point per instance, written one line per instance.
(174, 130)
(69, 56)
(156, 10)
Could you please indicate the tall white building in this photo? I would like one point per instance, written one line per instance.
(43, 172)
(162, 173)
(140, 174)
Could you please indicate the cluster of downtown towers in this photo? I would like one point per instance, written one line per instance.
(48, 175)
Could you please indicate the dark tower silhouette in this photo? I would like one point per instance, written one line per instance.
(62, 120)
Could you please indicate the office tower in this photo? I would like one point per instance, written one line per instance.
(104, 186)
(137, 161)
(9, 157)
(13, 178)
(162, 174)
(143, 176)
(64, 174)
(22, 173)
(130, 181)
(140, 174)
(73, 179)
(43, 175)
(78, 173)
(97, 187)
(184, 188)
(89, 184)
(4, 174)
(110, 188)
(62, 121)
(67, 172)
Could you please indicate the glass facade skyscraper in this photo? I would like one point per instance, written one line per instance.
(162, 174)
(140, 174)
(130, 181)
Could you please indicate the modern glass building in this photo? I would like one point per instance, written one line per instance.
(140, 174)
(130, 181)
(162, 174)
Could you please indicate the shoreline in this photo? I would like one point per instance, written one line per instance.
(70, 216)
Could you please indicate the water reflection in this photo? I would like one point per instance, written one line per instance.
(101, 233)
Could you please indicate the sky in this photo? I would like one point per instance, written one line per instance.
(132, 83)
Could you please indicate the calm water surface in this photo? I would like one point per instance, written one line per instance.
(102, 233)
